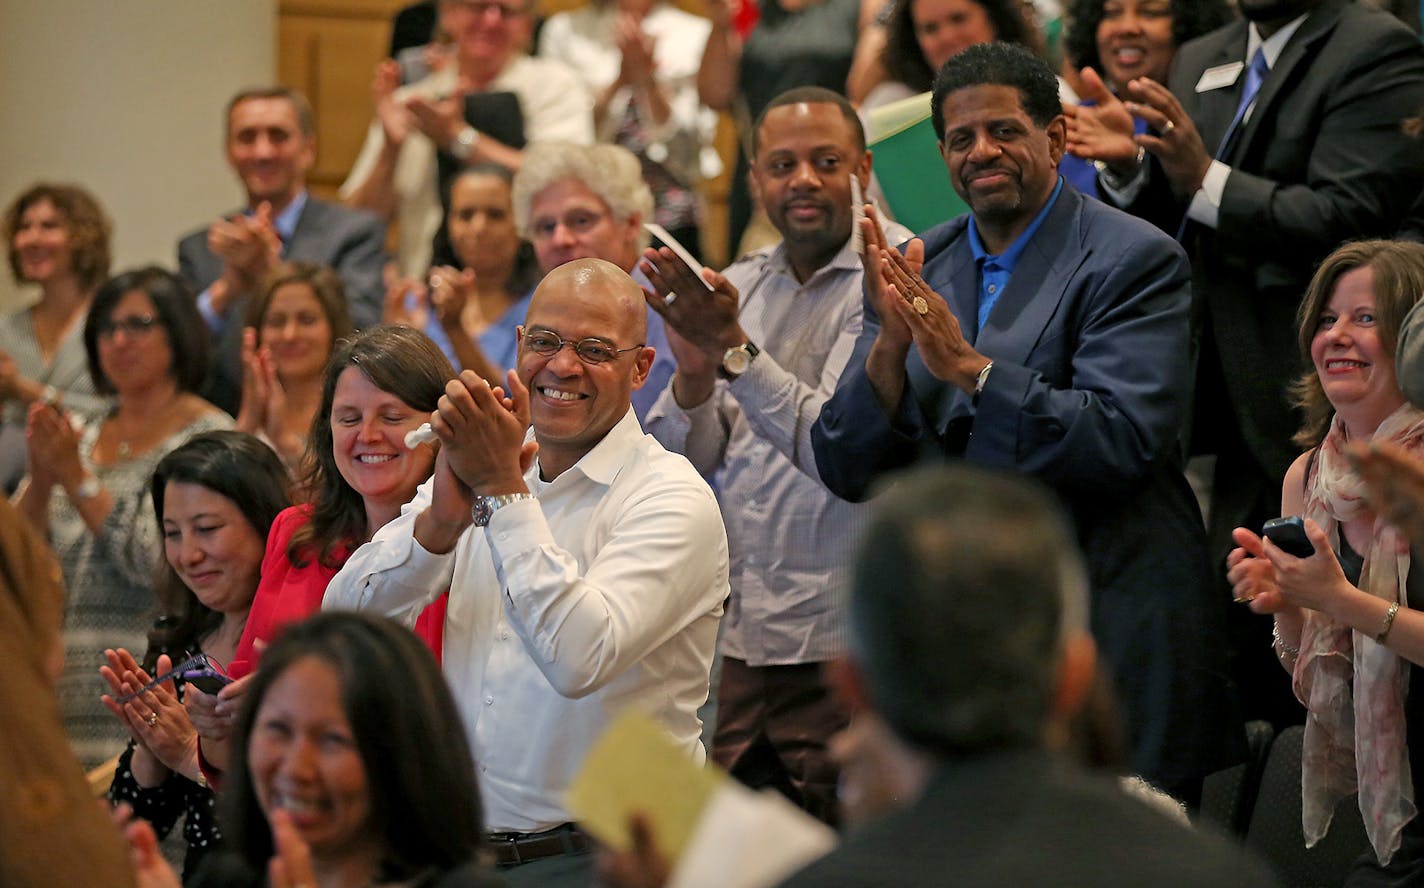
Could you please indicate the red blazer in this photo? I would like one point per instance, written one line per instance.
(288, 593)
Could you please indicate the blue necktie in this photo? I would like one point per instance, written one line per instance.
(1255, 74)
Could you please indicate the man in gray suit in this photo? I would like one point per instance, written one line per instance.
(271, 144)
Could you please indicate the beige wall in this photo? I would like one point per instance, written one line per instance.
(125, 99)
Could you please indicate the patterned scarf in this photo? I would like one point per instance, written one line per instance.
(1351, 747)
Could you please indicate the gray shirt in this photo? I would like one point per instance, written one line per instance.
(67, 370)
(790, 538)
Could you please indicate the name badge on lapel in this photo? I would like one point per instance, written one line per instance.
(1221, 75)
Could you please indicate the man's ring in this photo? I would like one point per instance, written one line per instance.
(152, 719)
(670, 298)
(920, 305)
(1168, 127)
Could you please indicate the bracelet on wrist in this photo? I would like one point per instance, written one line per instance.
(1388, 623)
(1283, 649)
(1118, 182)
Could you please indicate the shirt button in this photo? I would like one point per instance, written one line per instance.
(504, 635)
(993, 289)
(503, 536)
(489, 700)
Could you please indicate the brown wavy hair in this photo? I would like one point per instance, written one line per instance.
(325, 285)
(89, 230)
(905, 62)
(396, 359)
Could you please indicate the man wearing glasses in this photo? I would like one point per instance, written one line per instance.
(424, 133)
(586, 565)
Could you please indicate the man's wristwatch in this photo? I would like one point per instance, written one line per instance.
(485, 506)
(980, 380)
(465, 142)
(737, 359)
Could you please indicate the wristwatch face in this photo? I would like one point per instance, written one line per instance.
(485, 506)
(736, 361)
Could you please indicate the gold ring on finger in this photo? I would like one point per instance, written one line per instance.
(152, 719)
(1168, 127)
(921, 307)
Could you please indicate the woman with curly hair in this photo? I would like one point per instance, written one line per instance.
(921, 35)
(58, 237)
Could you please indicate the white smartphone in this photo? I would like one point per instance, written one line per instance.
(668, 240)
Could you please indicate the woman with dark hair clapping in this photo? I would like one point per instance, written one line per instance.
(214, 499)
(351, 769)
(88, 483)
(380, 385)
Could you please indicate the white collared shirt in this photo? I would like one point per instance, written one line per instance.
(791, 539)
(603, 593)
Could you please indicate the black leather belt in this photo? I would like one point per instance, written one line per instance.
(512, 849)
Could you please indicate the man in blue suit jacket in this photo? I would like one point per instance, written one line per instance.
(1048, 334)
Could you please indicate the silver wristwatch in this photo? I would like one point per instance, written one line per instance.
(485, 506)
(464, 144)
(737, 359)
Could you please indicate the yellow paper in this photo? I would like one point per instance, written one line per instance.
(636, 767)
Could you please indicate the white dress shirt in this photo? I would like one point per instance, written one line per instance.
(604, 593)
(791, 539)
(1206, 201)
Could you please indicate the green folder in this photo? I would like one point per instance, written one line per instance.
(909, 167)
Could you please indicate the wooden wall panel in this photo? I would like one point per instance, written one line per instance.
(328, 50)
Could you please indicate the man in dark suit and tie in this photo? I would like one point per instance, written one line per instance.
(1276, 138)
(969, 641)
(1048, 334)
(271, 143)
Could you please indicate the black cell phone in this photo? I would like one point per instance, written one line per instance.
(206, 679)
(1288, 533)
